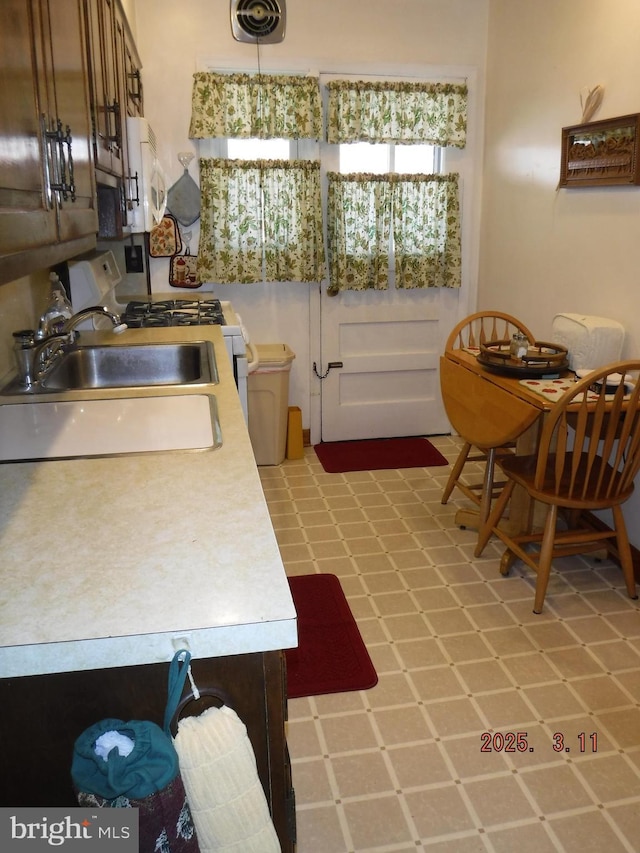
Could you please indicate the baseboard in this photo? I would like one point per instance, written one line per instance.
(598, 524)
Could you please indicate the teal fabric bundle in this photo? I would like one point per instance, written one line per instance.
(134, 764)
(150, 766)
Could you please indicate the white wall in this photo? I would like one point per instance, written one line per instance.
(410, 37)
(545, 250)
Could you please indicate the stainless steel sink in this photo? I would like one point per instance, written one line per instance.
(128, 366)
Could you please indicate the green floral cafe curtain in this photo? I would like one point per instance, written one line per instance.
(261, 220)
(422, 212)
(407, 113)
(263, 106)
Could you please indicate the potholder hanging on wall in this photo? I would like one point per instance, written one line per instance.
(182, 271)
(164, 238)
(183, 200)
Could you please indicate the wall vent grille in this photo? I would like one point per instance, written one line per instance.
(260, 21)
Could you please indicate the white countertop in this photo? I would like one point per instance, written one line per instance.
(120, 560)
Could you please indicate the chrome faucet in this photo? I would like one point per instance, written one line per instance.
(35, 358)
(99, 310)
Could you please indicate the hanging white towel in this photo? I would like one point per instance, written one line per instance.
(224, 792)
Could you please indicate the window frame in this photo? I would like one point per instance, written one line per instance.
(393, 147)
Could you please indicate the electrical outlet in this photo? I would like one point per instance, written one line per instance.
(133, 259)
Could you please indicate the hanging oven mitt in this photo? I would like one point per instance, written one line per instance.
(164, 238)
(133, 764)
(218, 768)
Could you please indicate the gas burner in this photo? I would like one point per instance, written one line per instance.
(155, 319)
(174, 312)
(137, 308)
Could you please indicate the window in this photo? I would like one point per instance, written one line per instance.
(392, 214)
(258, 149)
(392, 218)
(260, 221)
(381, 158)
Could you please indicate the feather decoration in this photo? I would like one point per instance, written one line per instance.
(591, 103)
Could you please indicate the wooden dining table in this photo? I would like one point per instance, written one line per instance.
(489, 410)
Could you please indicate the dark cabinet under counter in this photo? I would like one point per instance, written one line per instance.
(42, 715)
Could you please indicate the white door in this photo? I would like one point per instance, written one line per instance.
(388, 345)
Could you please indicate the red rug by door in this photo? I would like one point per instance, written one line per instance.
(331, 656)
(377, 453)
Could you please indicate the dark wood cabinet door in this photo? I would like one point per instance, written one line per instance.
(27, 217)
(133, 69)
(114, 93)
(104, 82)
(47, 195)
(67, 82)
(95, 28)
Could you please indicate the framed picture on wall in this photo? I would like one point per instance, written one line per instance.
(601, 153)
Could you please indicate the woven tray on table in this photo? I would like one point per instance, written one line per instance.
(542, 358)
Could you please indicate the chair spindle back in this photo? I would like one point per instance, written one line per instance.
(592, 438)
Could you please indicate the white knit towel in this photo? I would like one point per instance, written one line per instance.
(218, 769)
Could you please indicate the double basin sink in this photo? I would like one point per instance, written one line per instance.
(146, 419)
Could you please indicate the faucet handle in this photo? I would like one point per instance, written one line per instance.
(24, 338)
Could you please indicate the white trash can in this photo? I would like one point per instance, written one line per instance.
(268, 403)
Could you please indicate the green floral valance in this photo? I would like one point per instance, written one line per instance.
(406, 113)
(263, 106)
(261, 220)
(420, 213)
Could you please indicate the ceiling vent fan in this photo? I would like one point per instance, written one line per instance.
(260, 21)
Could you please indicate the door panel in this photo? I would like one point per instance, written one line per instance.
(389, 343)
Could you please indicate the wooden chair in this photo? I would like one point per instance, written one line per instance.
(482, 327)
(587, 459)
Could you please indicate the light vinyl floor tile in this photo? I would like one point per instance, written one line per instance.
(491, 729)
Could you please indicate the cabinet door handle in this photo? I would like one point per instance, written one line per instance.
(114, 110)
(125, 204)
(55, 160)
(133, 199)
(59, 162)
(135, 92)
(71, 186)
(68, 187)
(48, 161)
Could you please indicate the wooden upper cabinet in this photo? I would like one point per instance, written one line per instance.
(115, 86)
(130, 67)
(106, 107)
(69, 76)
(115, 82)
(47, 187)
(26, 215)
(133, 69)
(68, 113)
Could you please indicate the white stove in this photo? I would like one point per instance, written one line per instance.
(93, 279)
